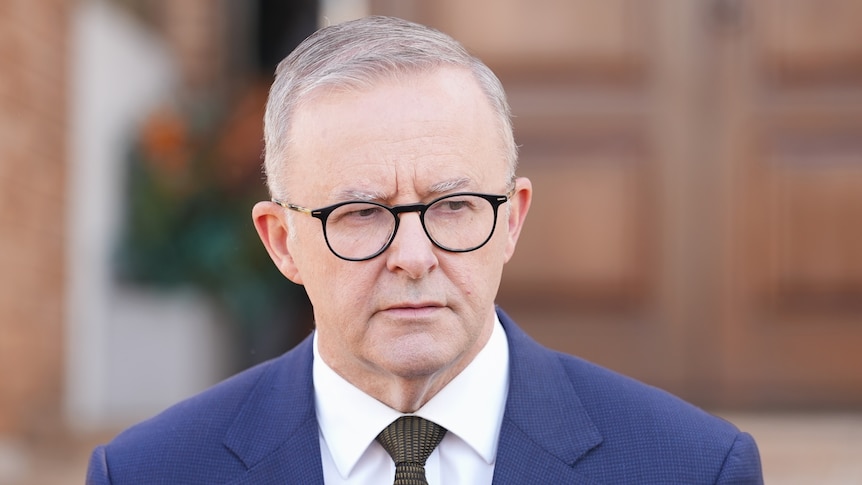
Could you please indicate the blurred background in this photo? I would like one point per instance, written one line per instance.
(697, 221)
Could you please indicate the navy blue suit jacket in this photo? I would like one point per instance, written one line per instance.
(567, 421)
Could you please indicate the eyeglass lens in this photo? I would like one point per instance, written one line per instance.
(360, 230)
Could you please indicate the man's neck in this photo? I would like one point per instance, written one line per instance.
(406, 394)
(409, 394)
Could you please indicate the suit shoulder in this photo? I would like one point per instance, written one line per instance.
(615, 429)
(188, 435)
(642, 426)
(614, 397)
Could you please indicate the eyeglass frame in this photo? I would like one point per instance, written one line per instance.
(496, 200)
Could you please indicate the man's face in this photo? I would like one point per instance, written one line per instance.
(416, 310)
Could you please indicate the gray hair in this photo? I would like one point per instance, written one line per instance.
(354, 55)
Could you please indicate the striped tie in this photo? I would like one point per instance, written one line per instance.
(409, 440)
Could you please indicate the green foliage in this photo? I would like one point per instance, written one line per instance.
(188, 224)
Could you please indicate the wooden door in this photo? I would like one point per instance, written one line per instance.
(697, 168)
(789, 133)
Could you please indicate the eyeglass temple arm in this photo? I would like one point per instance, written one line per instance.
(293, 207)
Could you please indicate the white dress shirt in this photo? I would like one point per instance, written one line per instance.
(470, 407)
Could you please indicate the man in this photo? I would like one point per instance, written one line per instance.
(391, 163)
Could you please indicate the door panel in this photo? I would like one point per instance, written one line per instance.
(808, 40)
(793, 320)
(812, 228)
(590, 206)
(583, 34)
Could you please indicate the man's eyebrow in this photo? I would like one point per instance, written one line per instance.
(449, 185)
(371, 195)
(359, 194)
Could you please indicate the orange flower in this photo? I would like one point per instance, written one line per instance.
(165, 142)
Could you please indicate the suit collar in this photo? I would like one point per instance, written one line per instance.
(546, 429)
(275, 433)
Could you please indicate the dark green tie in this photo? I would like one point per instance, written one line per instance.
(409, 440)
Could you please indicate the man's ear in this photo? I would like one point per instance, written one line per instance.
(270, 221)
(519, 205)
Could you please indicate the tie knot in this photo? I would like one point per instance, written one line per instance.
(411, 439)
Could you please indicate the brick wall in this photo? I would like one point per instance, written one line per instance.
(33, 110)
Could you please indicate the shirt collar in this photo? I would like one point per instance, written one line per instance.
(470, 407)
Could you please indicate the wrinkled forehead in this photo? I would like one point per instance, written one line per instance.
(406, 127)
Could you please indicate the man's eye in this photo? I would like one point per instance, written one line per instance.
(361, 213)
(454, 205)
(366, 212)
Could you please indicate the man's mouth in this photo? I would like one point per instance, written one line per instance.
(414, 309)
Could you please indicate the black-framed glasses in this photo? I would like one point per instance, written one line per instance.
(358, 231)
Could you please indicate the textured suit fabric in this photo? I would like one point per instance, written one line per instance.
(567, 421)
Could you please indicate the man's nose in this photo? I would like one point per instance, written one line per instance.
(411, 250)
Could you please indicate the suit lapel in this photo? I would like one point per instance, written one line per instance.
(276, 433)
(520, 459)
(297, 460)
(545, 428)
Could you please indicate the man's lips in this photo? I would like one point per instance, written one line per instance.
(412, 308)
